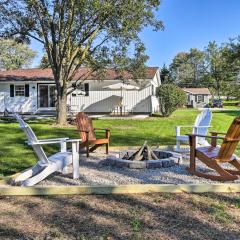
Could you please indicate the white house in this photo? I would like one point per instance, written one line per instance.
(33, 91)
(197, 97)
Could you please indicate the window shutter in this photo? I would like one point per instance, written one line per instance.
(26, 90)
(11, 90)
(86, 89)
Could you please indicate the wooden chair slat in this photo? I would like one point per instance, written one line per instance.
(227, 147)
(87, 134)
(213, 156)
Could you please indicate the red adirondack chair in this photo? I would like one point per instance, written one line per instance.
(87, 134)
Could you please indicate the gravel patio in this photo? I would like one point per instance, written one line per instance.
(96, 171)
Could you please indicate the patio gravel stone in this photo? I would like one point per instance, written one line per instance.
(95, 171)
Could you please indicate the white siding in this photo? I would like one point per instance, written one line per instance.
(136, 101)
(156, 81)
(18, 104)
(155, 104)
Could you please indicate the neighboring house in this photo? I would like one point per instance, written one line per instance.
(197, 97)
(33, 91)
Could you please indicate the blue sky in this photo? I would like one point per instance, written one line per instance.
(188, 24)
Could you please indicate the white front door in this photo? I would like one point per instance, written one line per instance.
(46, 96)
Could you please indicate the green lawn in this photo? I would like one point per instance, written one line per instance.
(16, 156)
(231, 104)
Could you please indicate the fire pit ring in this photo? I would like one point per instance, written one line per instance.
(165, 159)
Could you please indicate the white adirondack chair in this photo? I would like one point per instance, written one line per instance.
(201, 125)
(47, 165)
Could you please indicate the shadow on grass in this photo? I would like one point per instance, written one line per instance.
(9, 232)
(159, 216)
(233, 113)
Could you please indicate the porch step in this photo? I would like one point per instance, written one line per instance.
(46, 112)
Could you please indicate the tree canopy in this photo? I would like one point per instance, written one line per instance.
(216, 67)
(15, 55)
(188, 67)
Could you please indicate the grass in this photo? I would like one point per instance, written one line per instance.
(16, 156)
(231, 104)
(217, 211)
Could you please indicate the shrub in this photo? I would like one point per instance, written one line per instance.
(170, 98)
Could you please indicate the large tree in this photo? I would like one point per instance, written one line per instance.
(217, 66)
(94, 33)
(14, 55)
(231, 53)
(187, 68)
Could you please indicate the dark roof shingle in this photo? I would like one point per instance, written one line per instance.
(35, 74)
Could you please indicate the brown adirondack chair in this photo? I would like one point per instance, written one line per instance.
(213, 156)
(87, 134)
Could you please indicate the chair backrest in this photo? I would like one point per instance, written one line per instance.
(204, 120)
(230, 141)
(84, 123)
(27, 129)
(31, 137)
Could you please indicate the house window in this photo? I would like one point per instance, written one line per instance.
(200, 98)
(20, 90)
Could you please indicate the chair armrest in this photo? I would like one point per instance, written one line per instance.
(53, 139)
(46, 141)
(74, 140)
(184, 126)
(102, 129)
(205, 136)
(79, 130)
(220, 133)
(202, 126)
(214, 138)
(192, 139)
(232, 140)
(43, 142)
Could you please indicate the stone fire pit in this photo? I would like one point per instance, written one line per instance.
(140, 159)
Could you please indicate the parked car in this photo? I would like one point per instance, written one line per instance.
(217, 103)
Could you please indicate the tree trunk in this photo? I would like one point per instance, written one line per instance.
(218, 88)
(61, 106)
